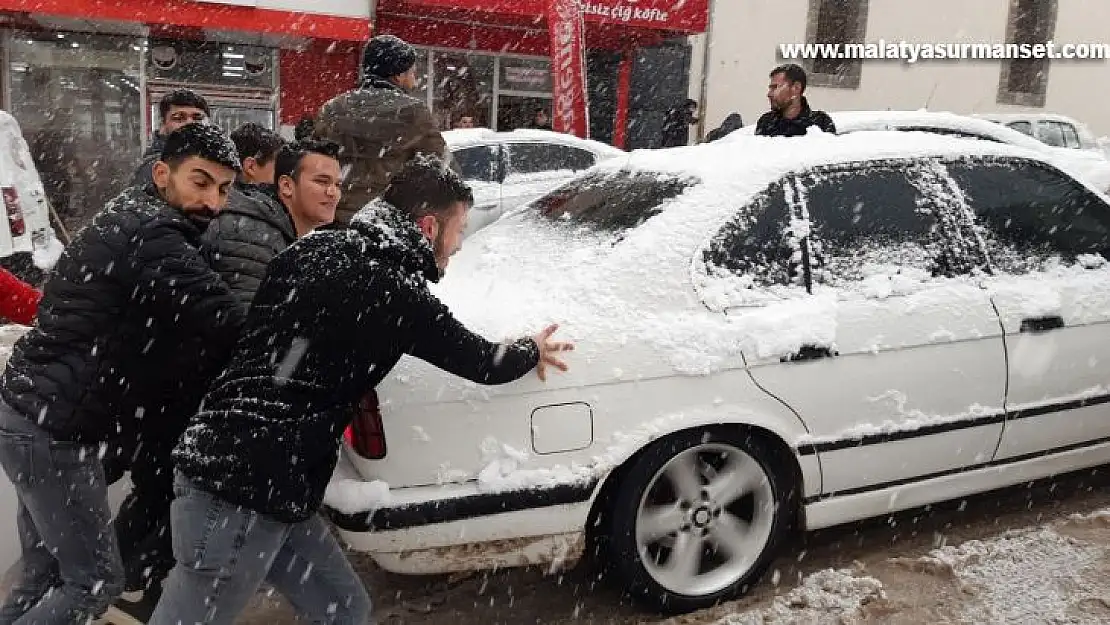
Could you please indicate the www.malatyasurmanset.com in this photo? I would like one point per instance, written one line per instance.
(912, 52)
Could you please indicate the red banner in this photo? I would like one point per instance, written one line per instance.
(568, 67)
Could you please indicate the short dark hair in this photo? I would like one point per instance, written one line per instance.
(203, 140)
(426, 186)
(291, 154)
(182, 97)
(304, 128)
(256, 141)
(793, 73)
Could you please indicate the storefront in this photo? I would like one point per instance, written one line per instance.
(488, 60)
(84, 77)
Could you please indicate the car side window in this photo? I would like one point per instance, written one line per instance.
(477, 163)
(531, 158)
(1052, 134)
(865, 222)
(1032, 215)
(1024, 128)
(1071, 136)
(755, 245)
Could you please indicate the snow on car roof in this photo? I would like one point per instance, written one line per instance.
(851, 121)
(467, 137)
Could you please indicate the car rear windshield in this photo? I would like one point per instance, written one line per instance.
(612, 200)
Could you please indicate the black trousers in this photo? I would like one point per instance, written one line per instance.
(143, 523)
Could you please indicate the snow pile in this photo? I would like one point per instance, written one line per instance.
(502, 470)
(353, 496)
(1023, 576)
(827, 597)
(9, 334)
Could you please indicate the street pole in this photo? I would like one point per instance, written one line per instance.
(704, 93)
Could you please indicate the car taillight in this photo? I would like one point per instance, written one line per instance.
(15, 213)
(365, 434)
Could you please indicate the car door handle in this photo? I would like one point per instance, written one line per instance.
(1042, 324)
(809, 352)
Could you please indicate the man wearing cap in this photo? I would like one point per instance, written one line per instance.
(378, 125)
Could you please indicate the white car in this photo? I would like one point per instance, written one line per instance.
(508, 169)
(1048, 128)
(1088, 164)
(27, 226)
(768, 338)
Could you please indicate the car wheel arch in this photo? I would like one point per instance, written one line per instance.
(786, 461)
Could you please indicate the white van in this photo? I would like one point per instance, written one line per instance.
(27, 227)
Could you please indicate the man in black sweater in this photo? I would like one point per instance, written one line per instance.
(790, 115)
(332, 317)
(124, 295)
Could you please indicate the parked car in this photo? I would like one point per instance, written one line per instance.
(507, 169)
(1090, 165)
(27, 227)
(1049, 128)
(768, 339)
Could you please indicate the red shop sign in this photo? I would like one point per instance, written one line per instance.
(690, 16)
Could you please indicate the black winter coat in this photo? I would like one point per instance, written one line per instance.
(127, 294)
(144, 173)
(247, 235)
(335, 313)
(773, 124)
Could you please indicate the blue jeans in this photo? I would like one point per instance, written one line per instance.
(71, 567)
(225, 552)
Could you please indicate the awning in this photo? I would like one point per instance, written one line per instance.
(202, 15)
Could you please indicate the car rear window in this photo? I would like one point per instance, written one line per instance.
(612, 200)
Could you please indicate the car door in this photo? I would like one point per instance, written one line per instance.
(480, 167)
(535, 168)
(898, 368)
(1048, 238)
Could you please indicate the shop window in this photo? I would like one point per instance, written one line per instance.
(87, 142)
(837, 22)
(463, 87)
(1025, 81)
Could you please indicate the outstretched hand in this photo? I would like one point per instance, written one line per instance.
(549, 351)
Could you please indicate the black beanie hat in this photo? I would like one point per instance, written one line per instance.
(387, 56)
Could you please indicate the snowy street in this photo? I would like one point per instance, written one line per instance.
(1025, 555)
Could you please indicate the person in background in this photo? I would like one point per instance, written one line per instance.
(334, 332)
(125, 294)
(242, 240)
(378, 125)
(677, 122)
(790, 114)
(465, 121)
(176, 108)
(541, 120)
(732, 123)
(19, 301)
(304, 128)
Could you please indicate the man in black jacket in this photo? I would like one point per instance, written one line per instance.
(243, 240)
(122, 297)
(790, 115)
(175, 109)
(334, 314)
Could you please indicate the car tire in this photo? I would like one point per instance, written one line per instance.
(721, 544)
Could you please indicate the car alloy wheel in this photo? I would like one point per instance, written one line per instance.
(697, 519)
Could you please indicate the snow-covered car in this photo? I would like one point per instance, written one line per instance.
(508, 169)
(27, 226)
(768, 338)
(1048, 128)
(1088, 164)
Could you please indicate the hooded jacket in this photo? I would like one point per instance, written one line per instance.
(333, 316)
(379, 128)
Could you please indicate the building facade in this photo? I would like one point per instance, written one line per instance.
(743, 45)
(489, 60)
(83, 77)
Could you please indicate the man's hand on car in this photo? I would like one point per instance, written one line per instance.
(549, 351)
